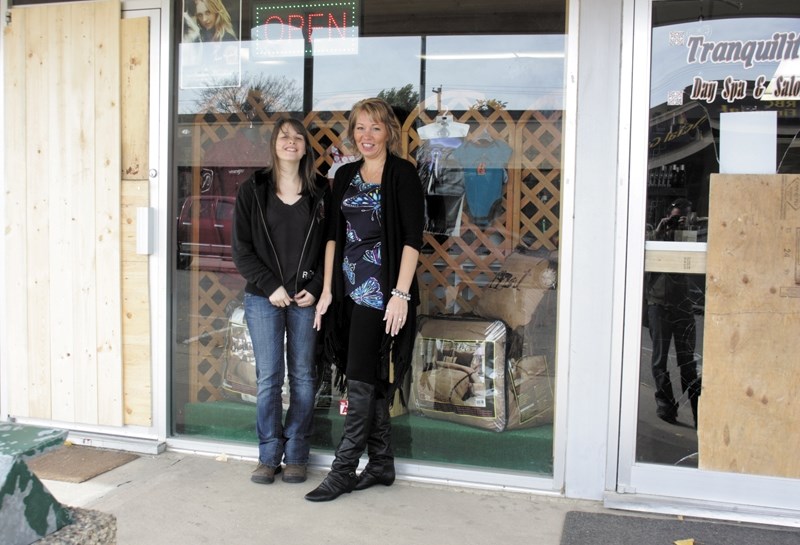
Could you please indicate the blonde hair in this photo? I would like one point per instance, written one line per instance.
(378, 110)
(223, 24)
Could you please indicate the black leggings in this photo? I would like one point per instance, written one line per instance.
(364, 341)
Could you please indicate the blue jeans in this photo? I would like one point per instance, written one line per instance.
(269, 326)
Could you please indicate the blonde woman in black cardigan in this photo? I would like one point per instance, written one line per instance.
(370, 294)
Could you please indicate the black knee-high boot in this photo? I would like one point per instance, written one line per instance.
(380, 469)
(342, 477)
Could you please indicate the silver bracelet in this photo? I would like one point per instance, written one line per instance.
(401, 294)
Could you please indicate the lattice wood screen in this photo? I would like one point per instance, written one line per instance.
(453, 271)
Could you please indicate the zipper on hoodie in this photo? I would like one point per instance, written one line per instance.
(266, 232)
(305, 245)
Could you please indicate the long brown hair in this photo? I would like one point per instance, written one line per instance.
(378, 110)
(308, 170)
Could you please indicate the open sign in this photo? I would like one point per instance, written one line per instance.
(318, 28)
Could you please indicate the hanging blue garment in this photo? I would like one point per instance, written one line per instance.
(484, 164)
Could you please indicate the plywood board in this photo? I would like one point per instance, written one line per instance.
(15, 260)
(135, 97)
(136, 333)
(39, 156)
(62, 237)
(749, 412)
(137, 379)
(79, 135)
(107, 213)
(674, 262)
(66, 203)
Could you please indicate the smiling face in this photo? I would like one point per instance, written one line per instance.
(289, 145)
(205, 17)
(370, 136)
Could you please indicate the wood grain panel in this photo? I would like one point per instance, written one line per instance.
(107, 213)
(79, 135)
(671, 261)
(63, 232)
(135, 97)
(750, 373)
(15, 261)
(39, 157)
(66, 205)
(135, 101)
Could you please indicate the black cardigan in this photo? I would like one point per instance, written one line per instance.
(402, 220)
(253, 252)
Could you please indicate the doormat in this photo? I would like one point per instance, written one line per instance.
(602, 529)
(75, 464)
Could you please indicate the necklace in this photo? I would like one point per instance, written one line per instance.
(372, 176)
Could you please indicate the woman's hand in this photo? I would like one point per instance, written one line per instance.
(280, 298)
(322, 307)
(304, 299)
(395, 316)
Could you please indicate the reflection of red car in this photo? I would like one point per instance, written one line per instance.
(205, 228)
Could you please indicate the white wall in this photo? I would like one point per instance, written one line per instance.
(590, 383)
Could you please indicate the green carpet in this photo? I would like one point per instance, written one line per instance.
(413, 437)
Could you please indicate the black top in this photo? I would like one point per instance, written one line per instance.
(254, 251)
(287, 226)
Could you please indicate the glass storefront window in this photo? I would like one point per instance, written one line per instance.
(709, 59)
(481, 391)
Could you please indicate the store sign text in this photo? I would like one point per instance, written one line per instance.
(783, 46)
(736, 89)
(305, 28)
(780, 47)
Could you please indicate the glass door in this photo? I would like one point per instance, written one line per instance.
(704, 60)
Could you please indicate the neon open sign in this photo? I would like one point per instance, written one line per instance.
(321, 28)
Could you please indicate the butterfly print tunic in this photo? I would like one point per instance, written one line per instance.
(361, 265)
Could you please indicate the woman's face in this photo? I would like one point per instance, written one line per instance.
(205, 17)
(370, 136)
(290, 145)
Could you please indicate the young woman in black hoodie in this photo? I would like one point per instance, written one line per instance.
(278, 234)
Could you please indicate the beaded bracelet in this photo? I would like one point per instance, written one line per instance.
(401, 294)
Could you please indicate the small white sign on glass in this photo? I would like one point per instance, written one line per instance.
(748, 142)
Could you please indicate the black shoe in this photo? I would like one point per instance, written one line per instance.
(669, 418)
(367, 479)
(334, 485)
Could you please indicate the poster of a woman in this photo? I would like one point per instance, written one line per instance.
(209, 52)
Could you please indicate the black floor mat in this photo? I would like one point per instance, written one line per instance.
(603, 529)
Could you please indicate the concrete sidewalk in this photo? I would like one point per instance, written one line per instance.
(185, 499)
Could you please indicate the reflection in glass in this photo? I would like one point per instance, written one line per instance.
(482, 119)
(342, 80)
(517, 72)
(708, 59)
